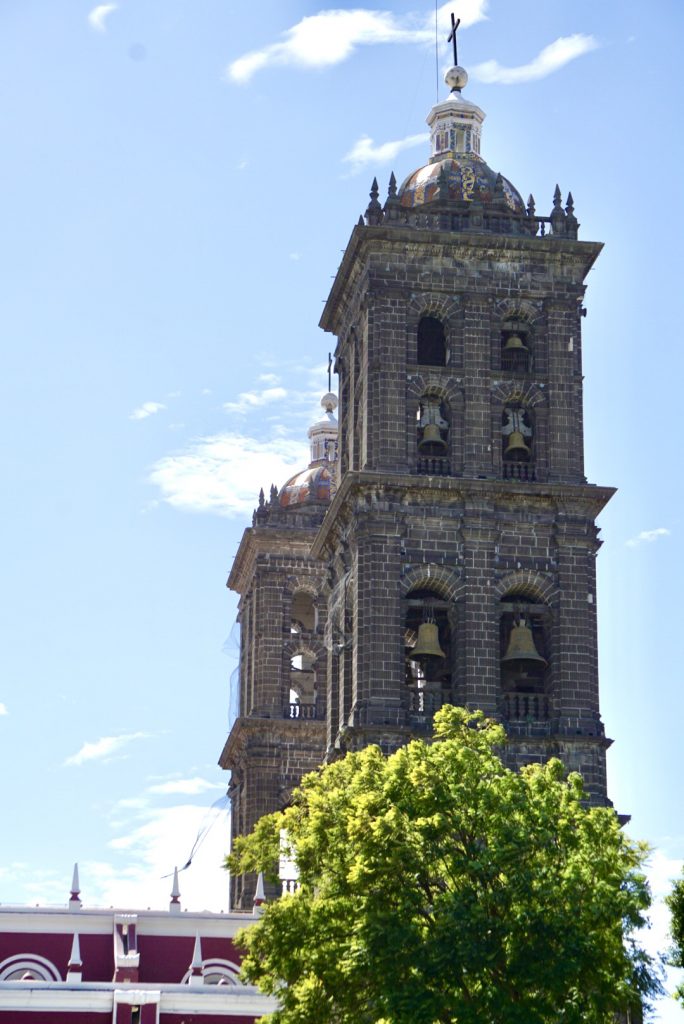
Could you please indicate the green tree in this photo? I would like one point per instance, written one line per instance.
(439, 886)
(675, 902)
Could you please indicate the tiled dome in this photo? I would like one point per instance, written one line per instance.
(469, 178)
(311, 484)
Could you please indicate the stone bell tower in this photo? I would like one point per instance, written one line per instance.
(461, 542)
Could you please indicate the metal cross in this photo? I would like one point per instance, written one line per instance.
(452, 36)
(329, 372)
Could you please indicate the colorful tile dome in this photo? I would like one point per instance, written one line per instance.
(311, 484)
(469, 179)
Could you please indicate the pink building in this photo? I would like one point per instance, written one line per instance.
(94, 966)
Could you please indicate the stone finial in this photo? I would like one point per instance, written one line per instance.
(499, 193)
(557, 215)
(196, 967)
(442, 185)
(75, 895)
(274, 495)
(175, 904)
(259, 895)
(392, 203)
(360, 222)
(571, 224)
(374, 209)
(75, 965)
(262, 500)
(531, 208)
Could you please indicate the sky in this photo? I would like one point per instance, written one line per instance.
(178, 183)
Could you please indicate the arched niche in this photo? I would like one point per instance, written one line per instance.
(431, 342)
(525, 657)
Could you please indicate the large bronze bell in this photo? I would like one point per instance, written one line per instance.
(427, 644)
(516, 446)
(431, 438)
(515, 343)
(521, 646)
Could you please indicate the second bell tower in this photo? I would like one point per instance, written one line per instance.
(461, 542)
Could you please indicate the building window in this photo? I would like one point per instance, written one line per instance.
(427, 651)
(524, 660)
(515, 350)
(431, 342)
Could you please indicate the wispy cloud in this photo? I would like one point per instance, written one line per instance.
(104, 747)
(254, 399)
(98, 16)
(647, 537)
(365, 151)
(330, 37)
(3, 710)
(146, 409)
(223, 474)
(554, 56)
(184, 787)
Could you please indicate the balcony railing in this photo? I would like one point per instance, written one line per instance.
(523, 471)
(525, 707)
(301, 711)
(433, 465)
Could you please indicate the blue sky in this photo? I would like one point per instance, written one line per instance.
(178, 181)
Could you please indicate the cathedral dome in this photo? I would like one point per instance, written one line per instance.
(468, 178)
(311, 484)
(317, 482)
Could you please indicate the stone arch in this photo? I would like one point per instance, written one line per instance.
(443, 307)
(527, 583)
(526, 393)
(446, 309)
(519, 309)
(420, 384)
(444, 581)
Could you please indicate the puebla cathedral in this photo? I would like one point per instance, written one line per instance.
(439, 548)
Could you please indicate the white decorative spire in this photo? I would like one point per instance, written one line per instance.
(259, 894)
(455, 124)
(175, 904)
(323, 434)
(75, 965)
(196, 967)
(75, 895)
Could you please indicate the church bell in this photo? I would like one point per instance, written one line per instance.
(521, 646)
(431, 438)
(516, 446)
(427, 645)
(514, 343)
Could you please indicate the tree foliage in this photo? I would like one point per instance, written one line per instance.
(675, 902)
(439, 886)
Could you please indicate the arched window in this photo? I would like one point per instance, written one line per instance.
(431, 342)
(427, 650)
(524, 658)
(28, 967)
(432, 436)
(517, 442)
(515, 348)
(303, 612)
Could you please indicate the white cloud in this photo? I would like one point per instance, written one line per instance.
(254, 399)
(223, 474)
(104, 747)
(364, 151)
(145, 410)
(647, 537)
(550, 59)
(330, 37)
(3, 710)
(295, 256)
(184, 787)
(99, 15)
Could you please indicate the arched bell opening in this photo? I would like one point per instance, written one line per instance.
(516, 348)
(432, 346)
(303, 612)
(517, 442)
(427, 651)
(524, 659)
(432, 425)
(303, 691)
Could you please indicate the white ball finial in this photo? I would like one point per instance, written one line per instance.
(329, 402)
(456, 78)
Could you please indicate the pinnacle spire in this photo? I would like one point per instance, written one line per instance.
(175, 904)
(75, 965)
(196, 966)
(75, 895)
